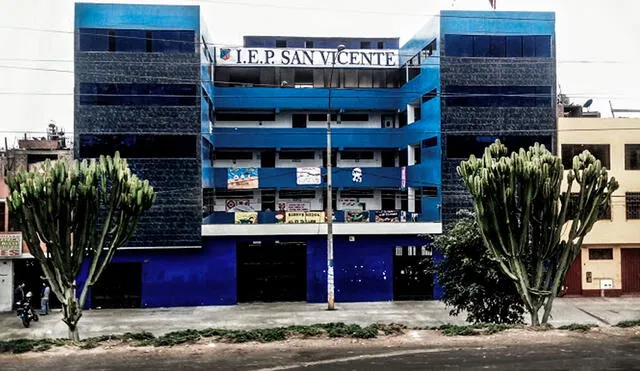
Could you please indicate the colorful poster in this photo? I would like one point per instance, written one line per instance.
(308, 176)
(234, 205)
(245, 218)
(298, 206)
(387, 216)
(242, 178)
(304, 217)
(10, 244)
(356, 216)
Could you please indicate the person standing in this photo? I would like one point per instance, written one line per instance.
(44, 299)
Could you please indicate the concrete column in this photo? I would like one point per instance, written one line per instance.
(411, 199)
(6, 285)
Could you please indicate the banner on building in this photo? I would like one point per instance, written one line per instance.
(290, 57)
(11, 244)
(234, 205)
(298, 206)
(242, 178)
(387, 216)
(347, 203)
(304, 217)
(356, 216)
(245, 218)
(403, 178)
(308, 176)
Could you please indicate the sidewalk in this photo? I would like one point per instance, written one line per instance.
(601, 311)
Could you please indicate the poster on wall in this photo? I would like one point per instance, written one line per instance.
(356, 216)
(387, 216)
(308, 176)
(298, 206)
(245, 218)
(347, 203)
(234, 205)
(304, 217)
(403, 178)
(10, 244)
(242, 178)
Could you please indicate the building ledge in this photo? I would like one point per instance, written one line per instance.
(209, 230)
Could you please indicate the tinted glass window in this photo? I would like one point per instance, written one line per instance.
(498, 96)
(632, 156)
(632, 203)
(481, 46)
(514, 46)
(459, 45)
(543, 46)
(131, 41)
(498, 46)
(94, 39)
(463, 146)
(528, 46)
(103, 94)
(138, 146)
(599, 151)
(173, 41)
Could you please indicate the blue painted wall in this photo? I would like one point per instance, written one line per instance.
(496, 23)
(179, 17)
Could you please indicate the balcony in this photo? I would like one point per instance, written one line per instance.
(371, 222)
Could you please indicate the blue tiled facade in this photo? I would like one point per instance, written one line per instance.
(149, 71)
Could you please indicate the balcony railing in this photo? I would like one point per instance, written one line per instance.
(314, 217)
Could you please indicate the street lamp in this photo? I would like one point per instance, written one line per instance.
(330, 276)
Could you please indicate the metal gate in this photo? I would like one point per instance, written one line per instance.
(411, 280)
(119, 286)
(630, 271)
(271, 271)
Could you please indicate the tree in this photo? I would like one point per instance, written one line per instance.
(77, 211)
(472, 281)
(522, 213)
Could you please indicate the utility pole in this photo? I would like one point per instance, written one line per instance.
(330, 274)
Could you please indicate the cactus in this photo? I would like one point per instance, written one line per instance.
(521, 210)
(77, 210)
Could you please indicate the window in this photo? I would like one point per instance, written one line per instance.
(296, 155)
(106, 94)
(139, 41)
(299, 120)
(295, 194)
(245, 116)
(354, 117)
(138, 146)
(281, 43)
(574, 204)
(303, 78)
(462, 146)
(600, 254)
(308, 44)
(380, 45)
(356, 193)
(233, 155)
(496, 46)
(36, 158)
(632, 201)
(599, 151)
(632, 156)
(498, 96)
(365, 44)
(357, 155)
(430, 95)
(233, 194)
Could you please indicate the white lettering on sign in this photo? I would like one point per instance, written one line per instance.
(279, 57)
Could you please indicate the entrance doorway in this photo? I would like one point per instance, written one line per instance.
(411, 281)
(30, 273)
(573, 279)
(119, 286)
(271, 271)
(630, 271)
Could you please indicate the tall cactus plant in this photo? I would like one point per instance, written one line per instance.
(521, 209)
(72, 211)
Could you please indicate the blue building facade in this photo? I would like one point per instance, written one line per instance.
(234, 140)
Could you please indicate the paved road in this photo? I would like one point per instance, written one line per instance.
(602, 311)
(585, 355)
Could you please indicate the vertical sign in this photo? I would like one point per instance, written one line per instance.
(403, 178)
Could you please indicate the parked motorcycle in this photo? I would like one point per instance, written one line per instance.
(25, 311)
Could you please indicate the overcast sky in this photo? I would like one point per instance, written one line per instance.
(598, 44)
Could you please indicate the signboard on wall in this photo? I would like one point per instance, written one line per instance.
(298, 206)
(308, 176)
(242, 178)
(387, 216)
(10, 244)
(347, 203)
(356, 216)
(304, 217)
(289, 57)
(245, 218)
(233, 205)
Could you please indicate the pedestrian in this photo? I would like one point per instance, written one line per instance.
(44, 299)
(19, 293)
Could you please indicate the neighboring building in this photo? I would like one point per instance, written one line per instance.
(16, 264)
(234, 141)
(610, 256)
